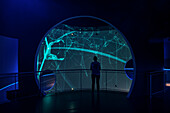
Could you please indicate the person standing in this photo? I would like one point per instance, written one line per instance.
(95, 67)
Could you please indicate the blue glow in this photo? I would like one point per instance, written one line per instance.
(48, 74)
(166, 69)
(48, 50)
(92, 51)
(129, 69)
(110, 46)
(8, 86)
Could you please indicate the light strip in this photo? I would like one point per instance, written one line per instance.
(8, 86)
(91, 51)
(166, 69)
(48, 74)
(129, 69)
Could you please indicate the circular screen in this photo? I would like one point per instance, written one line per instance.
(68, 49)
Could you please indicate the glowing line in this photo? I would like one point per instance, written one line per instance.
(68, 27)
(60, 38)
(48, 74)
(8, 86)
(49, 47)
(37, 61)
(45, 55)
(120, 48)
(129, 69)
(46, 42)
(92, 51)
(166, 69)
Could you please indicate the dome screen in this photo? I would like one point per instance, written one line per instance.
(72, 47)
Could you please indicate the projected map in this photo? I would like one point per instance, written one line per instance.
(70, 47)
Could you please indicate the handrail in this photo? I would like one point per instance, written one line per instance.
(56, 74)
(61, 70)
(155, 73)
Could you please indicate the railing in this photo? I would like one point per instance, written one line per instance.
(7, 82)
(55, 81)
(80, 79)
(17, 85)
(157, 82)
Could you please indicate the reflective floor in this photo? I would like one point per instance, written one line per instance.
(86, 102)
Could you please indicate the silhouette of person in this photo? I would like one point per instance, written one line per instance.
(95, 67)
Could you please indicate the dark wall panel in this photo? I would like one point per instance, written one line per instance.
(8, 64)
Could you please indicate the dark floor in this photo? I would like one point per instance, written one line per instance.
(86, 102)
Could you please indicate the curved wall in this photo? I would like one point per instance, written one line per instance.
(70, 47)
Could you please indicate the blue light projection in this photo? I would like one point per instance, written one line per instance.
(13, 84)
(166, 69)
(72, 47)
